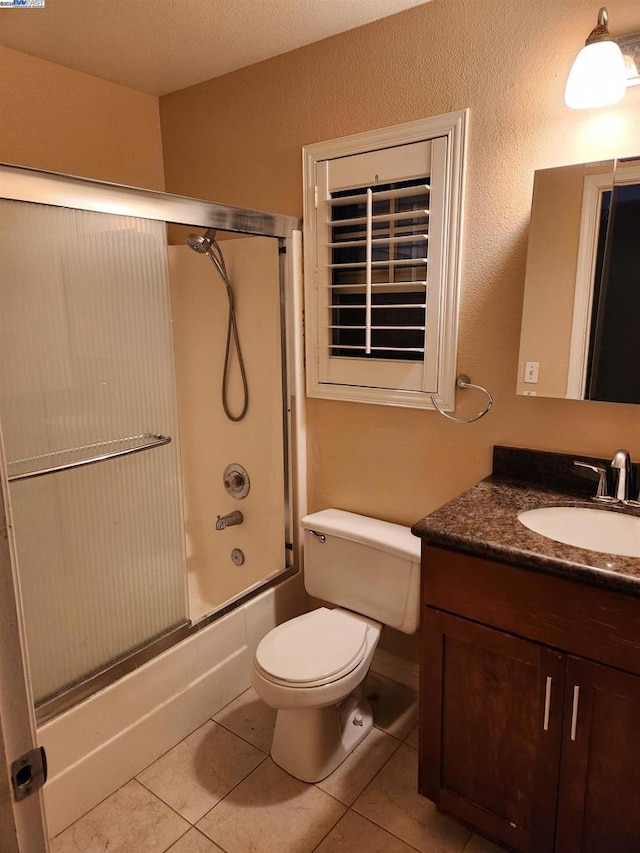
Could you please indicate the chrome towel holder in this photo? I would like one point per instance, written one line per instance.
(463, 381)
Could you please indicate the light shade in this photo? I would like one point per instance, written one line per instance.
(597, 78)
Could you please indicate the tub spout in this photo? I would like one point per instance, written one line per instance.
(229, 520)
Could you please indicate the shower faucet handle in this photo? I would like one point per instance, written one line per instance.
(236, 481)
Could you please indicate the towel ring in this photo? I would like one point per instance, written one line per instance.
(463, 381)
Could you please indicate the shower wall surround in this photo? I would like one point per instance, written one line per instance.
(209, 440)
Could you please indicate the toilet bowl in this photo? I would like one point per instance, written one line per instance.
(311, 668)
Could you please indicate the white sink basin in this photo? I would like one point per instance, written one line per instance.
(593, 529)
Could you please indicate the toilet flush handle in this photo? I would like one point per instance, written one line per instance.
(319, 536)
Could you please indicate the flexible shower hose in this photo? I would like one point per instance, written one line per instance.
(217, 258)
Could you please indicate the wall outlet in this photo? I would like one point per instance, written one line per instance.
(531, 371)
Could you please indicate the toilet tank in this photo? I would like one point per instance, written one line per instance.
(366, 565)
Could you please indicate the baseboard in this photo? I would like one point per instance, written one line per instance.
(396, 668)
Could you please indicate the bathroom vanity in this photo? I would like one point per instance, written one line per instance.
(530, 677)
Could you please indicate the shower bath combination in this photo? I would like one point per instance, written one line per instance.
(101, 361)
(124, 582)
(206, 244)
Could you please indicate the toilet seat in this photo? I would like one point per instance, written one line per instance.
(313, 649)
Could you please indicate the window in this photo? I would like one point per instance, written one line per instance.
(382, 238)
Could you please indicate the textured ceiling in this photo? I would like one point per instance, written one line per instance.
(159, 46)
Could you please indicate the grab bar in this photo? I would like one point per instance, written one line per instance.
(146, 441)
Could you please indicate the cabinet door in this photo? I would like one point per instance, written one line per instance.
(599, 800)
(492, 708)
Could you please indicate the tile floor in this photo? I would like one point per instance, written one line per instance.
(219, 792)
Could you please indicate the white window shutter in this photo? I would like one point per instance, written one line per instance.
(376, 272)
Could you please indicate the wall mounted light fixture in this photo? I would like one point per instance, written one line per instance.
(603, 69)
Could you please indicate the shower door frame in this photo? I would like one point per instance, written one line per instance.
(23, 824)
(19, 183)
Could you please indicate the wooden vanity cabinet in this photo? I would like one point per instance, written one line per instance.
(599, 795)
(523, 735)
(486, 755)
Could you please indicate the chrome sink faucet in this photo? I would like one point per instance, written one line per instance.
(622, 462)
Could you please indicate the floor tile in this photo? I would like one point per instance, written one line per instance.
(392, 801)
(356, 834)
(249, 717)
(271, 811)
(194, 842)
(202, 769)
(412, 737)
(481, 845)
(395, 706)
(131, 819)
(349, 780)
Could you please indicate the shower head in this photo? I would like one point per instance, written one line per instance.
(202, 242)
(206, 244)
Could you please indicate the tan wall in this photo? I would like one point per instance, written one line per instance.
(62, 120)
(238, 138)
(552, 254)
(550, 281)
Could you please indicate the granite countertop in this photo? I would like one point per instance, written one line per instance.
(483, 522)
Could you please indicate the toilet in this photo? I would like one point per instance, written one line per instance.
(311, 668)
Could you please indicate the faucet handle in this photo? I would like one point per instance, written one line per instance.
(601, 493)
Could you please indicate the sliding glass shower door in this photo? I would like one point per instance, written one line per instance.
(87, 374)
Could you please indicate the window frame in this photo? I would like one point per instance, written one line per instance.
(453, 128)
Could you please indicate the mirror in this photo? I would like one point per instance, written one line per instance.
(580, 336)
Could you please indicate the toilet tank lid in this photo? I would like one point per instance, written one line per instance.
(383, 535)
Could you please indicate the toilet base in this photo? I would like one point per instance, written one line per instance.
(309, 743)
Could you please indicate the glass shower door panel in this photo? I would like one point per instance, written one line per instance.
(86, 360)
